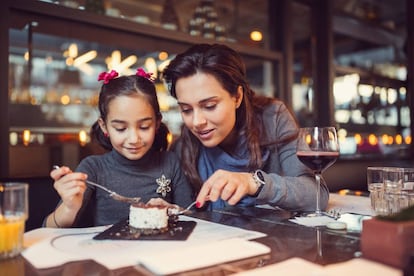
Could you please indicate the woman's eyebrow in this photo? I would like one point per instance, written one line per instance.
(201, 101)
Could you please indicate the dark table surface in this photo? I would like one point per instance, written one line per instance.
(286, 239)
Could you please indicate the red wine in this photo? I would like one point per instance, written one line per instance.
(317, 160)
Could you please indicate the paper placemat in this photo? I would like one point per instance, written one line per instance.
(65, 245)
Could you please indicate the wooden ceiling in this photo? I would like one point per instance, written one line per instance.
(373, 30)
(354, 20)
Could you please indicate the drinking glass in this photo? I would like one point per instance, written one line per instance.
(398, 184)
(375, 183)
(317, 148)
(393, 184)
(13, 214)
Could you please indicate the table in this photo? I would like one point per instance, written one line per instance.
(285, 238)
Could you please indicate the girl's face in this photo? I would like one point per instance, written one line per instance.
(207, 109)
(131, 125)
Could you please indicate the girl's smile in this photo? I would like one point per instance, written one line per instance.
(131, 125)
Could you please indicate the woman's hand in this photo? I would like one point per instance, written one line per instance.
(229, 186)
(70, 187)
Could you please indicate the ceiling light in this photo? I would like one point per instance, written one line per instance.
(14, 138)
(113, 60)
(162, 55)
(256, 36)
(69, 61)
(151, 66)
(125, 64)
(73, 50)
(85, 58)
(26, 137)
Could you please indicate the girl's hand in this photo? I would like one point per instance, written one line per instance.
(229, 186)
(70, 187)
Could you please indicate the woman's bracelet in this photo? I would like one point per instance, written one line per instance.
(54, 220)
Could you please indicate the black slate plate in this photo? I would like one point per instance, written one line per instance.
(177, 231)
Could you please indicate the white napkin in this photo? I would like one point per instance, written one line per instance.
(300, 267)
(312, 221)
(350, 204)
(204, 255)
(343, 204)
(292, 267)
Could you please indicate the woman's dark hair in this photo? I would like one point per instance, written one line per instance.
(227, 66)
(125, 86)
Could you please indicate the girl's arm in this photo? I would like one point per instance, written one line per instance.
(70, 187)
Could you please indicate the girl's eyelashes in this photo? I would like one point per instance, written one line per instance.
(119, 127)
(142, 127)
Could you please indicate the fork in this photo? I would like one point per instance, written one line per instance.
(111, 193)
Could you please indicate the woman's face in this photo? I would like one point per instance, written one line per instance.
(131, 125)
(207, 109)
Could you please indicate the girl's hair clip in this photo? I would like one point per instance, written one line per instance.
(142, 73)
(106, 77)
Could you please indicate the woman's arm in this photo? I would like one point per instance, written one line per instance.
(289, 183)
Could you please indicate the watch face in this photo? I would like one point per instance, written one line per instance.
(260, 175)
(260, 181)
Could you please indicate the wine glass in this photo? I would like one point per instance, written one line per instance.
(317, 148)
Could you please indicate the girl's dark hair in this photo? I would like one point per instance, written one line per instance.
(125, 86)
(227, 67)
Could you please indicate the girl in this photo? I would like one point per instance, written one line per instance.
(136, 164)
(236, 147)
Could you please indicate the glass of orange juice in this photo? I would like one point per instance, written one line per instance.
(14, 207)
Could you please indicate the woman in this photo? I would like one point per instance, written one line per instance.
(236, 147)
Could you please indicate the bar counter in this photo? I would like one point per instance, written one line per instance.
(286, 240)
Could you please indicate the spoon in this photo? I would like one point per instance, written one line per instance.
(112, 194)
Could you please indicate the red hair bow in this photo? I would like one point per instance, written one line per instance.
(106, 77)
(142, 73)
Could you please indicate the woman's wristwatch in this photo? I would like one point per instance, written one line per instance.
(259, 181)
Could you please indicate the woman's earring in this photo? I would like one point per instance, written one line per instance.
(106, 134)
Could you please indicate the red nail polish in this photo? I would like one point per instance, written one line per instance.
(198, 204)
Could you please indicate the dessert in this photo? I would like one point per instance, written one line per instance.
(148, 217)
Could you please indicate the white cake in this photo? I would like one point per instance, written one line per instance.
(148, 217)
